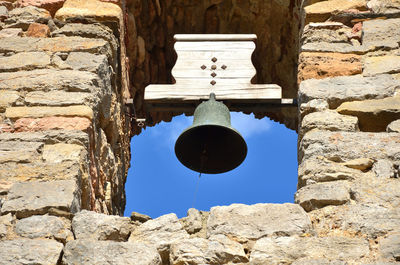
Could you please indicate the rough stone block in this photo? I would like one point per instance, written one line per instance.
(340, 145)
(353, 47)
(321, 11)
(216, 250)
(50, 137)
(328, 32)
(384, 169)
(368, 220)
(7, 98)
(394, 126)
(57, 153)
(39, 171)
(23, 17)
(50, 5)
(161, 233)
(318, 261)
(108, 252)
(10, 32)
(30, 251)
(56, 98)
(5, 225)
(251, 222)
(49, 80)
(56, 44)
(35, 198)
(96, 226)
(38, 30)
(373, 115)
(21, 152)
(329, 120)
(38, 112)
(24, 61)
(84, 61)
(388, 6)
(321, 170)
(381, 33)
(287, 249)
(337, 90)
(138, 217)
(319, 195)
(193, 222)
(51, 123)
(99, 10)
(390, 247)
(388, 64)
(321, 65)
(44, 226)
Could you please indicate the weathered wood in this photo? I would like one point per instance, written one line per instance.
(215, 37)
(219, 64)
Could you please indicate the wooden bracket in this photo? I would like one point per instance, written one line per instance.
(214, 63)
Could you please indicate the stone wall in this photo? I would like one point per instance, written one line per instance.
(67, 67)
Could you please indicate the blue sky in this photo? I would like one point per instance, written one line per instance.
(158, 184)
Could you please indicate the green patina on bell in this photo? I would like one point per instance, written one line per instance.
(211, 145)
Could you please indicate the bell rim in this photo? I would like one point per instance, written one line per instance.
(230, 129)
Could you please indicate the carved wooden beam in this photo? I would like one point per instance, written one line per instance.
(214, 63)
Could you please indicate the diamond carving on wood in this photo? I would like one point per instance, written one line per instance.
(212, 63)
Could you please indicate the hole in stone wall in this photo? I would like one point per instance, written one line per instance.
(158, 184)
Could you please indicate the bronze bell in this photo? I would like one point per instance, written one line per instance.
(211, 145)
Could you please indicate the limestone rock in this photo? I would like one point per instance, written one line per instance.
(13, 151)
(384, 169)
(321, 65)
(96, 226)
(384, 6)
(6, 224)
(56, 44)
(251, 222)
(38, 30)
(49, 80)
(322, 261)
(319, 195)
(57, 153)
(337, 90)
(7, 98)
(101, 11)
(388, 64)
(161, 233)
(44, 226)
(321, 11)
(363, 164)
(393, 126)
(30, 251)
(218, 249)
(50, 5)
(24, 61)
(376, 190)
(10, 32)
(193, 222)
(138, 217)
(108, 252)
(312, 106)
(51, 123)
(56, 98)
(38, 112)
(321, 170)
(329, 120)
(50, 137)
(23, 17)
(283, 250)
(3, 13)
(328, 32)
(85, 61)
(383, 33)
(390, 247)
(374, 115)
(369, 220)
(340, 146)
(33, 198)
(353, 47)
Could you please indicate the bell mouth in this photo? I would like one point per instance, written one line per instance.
(210, 149)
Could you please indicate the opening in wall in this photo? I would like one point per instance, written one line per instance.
(158, 184)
